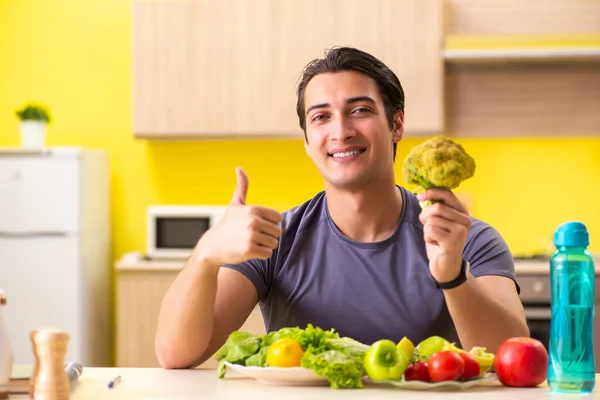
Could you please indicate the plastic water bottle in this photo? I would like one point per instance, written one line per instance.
(571, 350)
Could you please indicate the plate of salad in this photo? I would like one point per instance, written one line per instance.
(313, 356)
(295, 356)
(433, 364)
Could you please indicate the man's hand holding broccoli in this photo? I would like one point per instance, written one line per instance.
(446, 224)
(438, 166)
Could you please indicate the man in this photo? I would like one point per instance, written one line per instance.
(361, 256)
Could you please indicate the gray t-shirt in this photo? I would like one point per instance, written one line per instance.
(368, 291)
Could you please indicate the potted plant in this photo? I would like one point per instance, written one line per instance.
(34, 118)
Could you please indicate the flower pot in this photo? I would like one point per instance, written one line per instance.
(33, 134)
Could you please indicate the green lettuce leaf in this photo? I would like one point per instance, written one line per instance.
(340, 369)
(259, 359)
(221, 369)
(221, 353)
(238, 347)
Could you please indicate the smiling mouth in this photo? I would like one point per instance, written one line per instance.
(342, 154)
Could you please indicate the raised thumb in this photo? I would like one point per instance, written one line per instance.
(241, 187)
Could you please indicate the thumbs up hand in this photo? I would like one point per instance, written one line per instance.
(244, 232)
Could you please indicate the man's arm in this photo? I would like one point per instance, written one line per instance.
(486, 311)
(206, 303)
(203, 305)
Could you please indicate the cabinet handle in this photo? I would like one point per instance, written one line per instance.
(31, 234)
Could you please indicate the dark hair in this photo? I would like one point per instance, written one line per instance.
(340, 59)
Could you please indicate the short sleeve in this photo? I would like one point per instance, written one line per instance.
(258, 272)
(488, 254)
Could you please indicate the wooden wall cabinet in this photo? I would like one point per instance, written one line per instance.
(229, 68)
(522, 69)
(140, 290)
(510, 17)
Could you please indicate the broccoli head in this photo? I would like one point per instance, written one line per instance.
(438, 163)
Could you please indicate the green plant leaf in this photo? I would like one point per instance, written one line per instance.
(33, 112)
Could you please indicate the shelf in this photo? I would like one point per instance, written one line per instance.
(530, 48)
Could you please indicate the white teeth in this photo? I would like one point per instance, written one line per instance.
(346, 153)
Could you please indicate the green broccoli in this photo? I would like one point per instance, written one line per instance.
(437, 163)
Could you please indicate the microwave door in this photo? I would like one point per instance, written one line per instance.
(174, 237)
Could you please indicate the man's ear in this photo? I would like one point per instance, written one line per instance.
(398, 127)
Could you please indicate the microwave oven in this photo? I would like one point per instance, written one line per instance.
(174, 230)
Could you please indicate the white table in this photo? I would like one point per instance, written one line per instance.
(156, 383)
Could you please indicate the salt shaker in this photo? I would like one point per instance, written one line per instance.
(51, 382)
(6, 355)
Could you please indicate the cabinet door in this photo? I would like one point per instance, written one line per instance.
(41, 278)
(139, 296)
(39, 195)
(230, 67)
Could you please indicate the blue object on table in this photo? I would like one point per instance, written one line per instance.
(114, 382)
(571, 367)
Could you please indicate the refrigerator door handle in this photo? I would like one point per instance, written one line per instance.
(31, 234)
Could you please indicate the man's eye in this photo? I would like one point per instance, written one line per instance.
(361, 110)
(318, 117)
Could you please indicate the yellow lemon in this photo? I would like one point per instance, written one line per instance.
(285, 352)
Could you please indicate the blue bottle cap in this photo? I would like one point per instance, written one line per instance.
(571, 234)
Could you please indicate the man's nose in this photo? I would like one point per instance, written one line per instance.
(341, 130)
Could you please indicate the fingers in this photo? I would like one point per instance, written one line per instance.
(434, 235)
(262, 239)
(264, 229)
(443, 224)
(260, 252)
(262, 244)
(241, 187)
(267, 227)
(268, 214)
(441, 231)
(440, 223)
(441, 210)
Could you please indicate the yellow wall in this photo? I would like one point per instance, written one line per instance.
(75, 56)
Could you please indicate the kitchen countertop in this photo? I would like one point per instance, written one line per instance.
(522, 267)
(149, 265)
(157, 383)
(541, 267)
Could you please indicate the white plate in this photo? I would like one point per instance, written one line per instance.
(488, 380)
(294, 376)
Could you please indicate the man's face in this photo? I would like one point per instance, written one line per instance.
(348, 136)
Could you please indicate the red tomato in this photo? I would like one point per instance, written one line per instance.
(417, 371)
(521, 362)
(472, 368)
(445, 366)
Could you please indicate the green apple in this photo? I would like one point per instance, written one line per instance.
(384, 361)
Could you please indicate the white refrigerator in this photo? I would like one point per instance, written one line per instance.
(55, 250)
